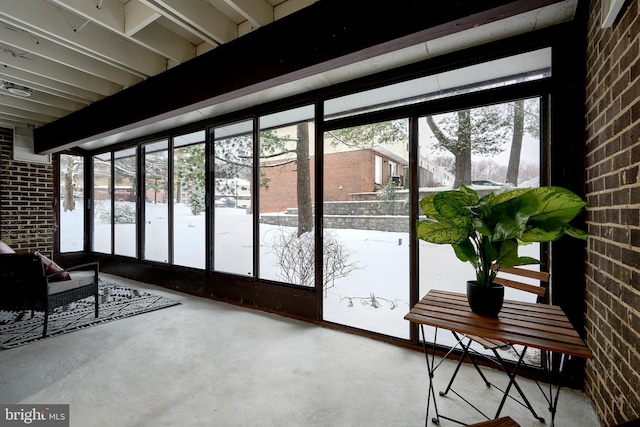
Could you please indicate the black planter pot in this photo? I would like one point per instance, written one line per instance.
(485, 301)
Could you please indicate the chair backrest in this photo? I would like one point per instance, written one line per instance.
(22, 279)
(509, 277)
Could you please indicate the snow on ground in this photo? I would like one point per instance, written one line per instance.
(382, 259)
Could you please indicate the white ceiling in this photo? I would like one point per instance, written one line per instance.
(71, 53)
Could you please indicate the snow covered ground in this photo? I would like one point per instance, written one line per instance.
(373, 297)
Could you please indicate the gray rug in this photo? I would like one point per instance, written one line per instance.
(116, 302)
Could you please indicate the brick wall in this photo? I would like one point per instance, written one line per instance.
(613, 192)
(26, 196)
(348, 172)
(345, 173)
(281, 194)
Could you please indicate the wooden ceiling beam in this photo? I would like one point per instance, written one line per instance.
(323, 36)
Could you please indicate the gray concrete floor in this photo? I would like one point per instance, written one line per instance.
(206, 363)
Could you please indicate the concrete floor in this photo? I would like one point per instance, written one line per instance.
(206, 363)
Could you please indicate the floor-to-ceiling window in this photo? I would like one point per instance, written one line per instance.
(71, 203)
(189, 191)
(286, 231)
(232, 189)
(492, 156)
(489, 149)
(156, 201)
(456, 126)
(101, 207)
(125, 202)
(366, 227)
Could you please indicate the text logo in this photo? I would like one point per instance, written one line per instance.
(34, 415)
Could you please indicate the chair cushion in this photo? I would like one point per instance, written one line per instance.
(77, 279)
(51, 267)
(5, 249)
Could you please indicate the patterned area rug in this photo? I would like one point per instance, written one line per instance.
(116, 302)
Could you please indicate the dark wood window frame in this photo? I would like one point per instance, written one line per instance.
(561, 138)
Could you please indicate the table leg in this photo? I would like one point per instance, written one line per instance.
(465, 353)
(512, 381)
(430, 368)
(551, 399)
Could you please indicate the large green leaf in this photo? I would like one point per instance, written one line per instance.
(507, 254)
(576, 232)
(554, 220)
(444, 232)
(451, 204)
(470, 191)
(511, 226)
(488, 198)
(481, 227)
(555, 206)
(490, 249)
(506, 196)
(465, 252)
(541, 235)
(482, 211)
(426, 204)
(502, 209)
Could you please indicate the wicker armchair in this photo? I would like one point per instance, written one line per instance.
(24, 285)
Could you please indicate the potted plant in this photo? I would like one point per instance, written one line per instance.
(487, 231)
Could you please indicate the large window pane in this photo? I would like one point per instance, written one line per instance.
(488, 149)
(233, 201)
(71, 203)
(287, 237)
(189, 200)
(125, 195)
(366, 227)
(101, 241)
(156, 209)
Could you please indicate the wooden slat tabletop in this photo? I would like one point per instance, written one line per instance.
(534, 325)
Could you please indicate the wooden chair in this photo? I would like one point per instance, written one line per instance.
(24, 285)
(512, 278)
(498, 422)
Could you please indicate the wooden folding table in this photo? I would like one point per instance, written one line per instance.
(541, 326)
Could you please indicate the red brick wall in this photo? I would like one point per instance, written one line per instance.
(26, 196)
(281, 193)
(345, 173)
(351, 170)
(613, 192)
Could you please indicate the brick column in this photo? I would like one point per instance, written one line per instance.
(613, 193)
(26, 196)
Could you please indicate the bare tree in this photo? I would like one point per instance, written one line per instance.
(482, 131)
(389, 132)
(295, 256)
(72, 167)
(156, 165)
(303, 188)
(488, 169)
(446, 162)
(516, 142)
(191, 175)
(277, 150)
(526, 120)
